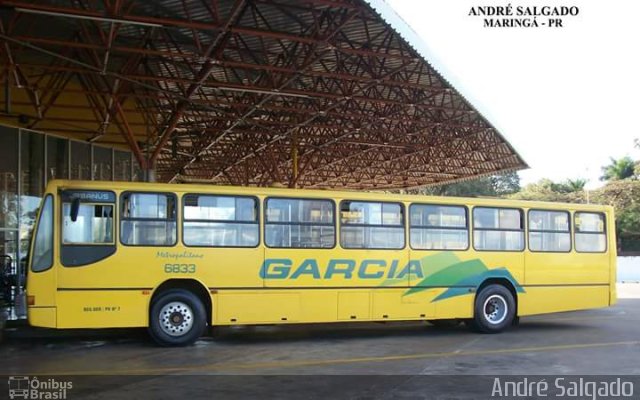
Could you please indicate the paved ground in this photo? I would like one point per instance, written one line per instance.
(603, 341)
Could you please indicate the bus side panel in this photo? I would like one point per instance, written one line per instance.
(318, 305)
(567, 268)
(613, 257)
(548, 299)
(450, 278)
(335, 305)
(102, 309)
(394, 304)
(42, 287)
(276, 306)
(455, 307)
(511, 261)
(256, 307)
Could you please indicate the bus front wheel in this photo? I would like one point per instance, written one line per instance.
(495, 309)
(177, 318)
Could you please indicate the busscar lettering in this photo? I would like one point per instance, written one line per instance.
(89, 196)
(284, 268)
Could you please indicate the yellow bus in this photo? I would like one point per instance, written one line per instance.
(180, 258)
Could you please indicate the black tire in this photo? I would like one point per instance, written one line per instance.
(490, 315)
(444, 323)
(183, 321)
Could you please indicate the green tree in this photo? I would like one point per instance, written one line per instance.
(497, 185)
(622, 168)
(575, 185)
(506, 184)
(624, 196)
(543, 190)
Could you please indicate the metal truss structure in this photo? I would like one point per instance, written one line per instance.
(310, 93)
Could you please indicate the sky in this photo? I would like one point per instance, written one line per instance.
(567, 99)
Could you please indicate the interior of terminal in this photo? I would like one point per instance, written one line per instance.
(28, 160)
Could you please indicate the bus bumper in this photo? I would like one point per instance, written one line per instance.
(613, 294)
(44, 317)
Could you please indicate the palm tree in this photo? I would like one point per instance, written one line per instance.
(575, 185)
(618, 169)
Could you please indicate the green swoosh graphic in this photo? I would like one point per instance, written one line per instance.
(446, 269)
(451, 275)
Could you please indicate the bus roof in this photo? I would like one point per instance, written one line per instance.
(57, 184)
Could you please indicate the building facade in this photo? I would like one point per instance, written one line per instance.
(28, 160)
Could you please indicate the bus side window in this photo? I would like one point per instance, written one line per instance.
(93, 224)
(220, 221)
(148, 219)
(371, 225)
(590, 233)
(549, 231)
(438, 227)
(300, 223)
(88, 231)
(498, 229)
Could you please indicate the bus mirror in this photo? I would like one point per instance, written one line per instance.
(75, 207)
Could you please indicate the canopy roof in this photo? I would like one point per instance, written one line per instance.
(314, 93)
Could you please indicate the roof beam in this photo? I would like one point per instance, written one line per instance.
(90, 14)
(202, 76)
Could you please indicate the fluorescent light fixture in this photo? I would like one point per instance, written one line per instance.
(87, 17)
(271, 92)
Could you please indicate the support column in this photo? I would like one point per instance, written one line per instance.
(149, 173)
(294, 161)
(7, 94)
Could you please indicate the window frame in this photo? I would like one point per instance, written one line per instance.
(333, 223)
(466, 227)
(107, 249)
(402, 225)
(522, 224)
(50, 197)
(93, 203)
(604, 232)
(570, 231)
(122, 218)
(257, 202)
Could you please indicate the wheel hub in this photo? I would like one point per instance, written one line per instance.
(495, 309)
(176, 318)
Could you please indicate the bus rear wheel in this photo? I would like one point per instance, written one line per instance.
(177, 318)
(495, 309)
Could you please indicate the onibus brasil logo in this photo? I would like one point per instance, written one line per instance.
(24, 387)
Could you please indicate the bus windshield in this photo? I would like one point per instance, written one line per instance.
(43, 246)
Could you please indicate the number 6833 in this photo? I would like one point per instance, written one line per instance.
(180, 268)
